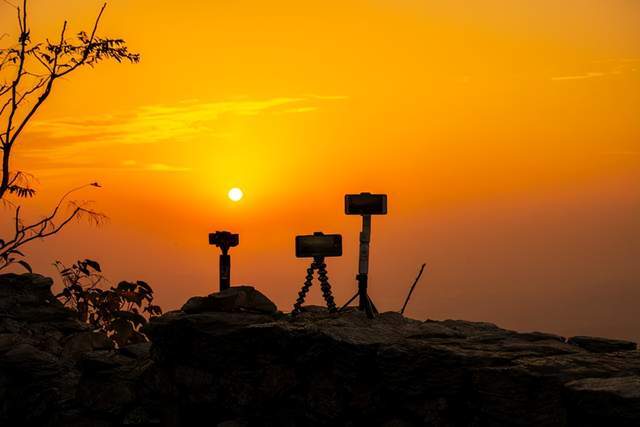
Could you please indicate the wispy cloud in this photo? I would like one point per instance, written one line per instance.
(299, 110)
(328, 97)
(153, 167)
(589, 75)
(158, 123)
(605, 67)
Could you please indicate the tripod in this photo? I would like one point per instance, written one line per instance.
(365, 303)
(317, 264)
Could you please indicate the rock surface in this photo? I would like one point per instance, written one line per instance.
(236, 298)
(230, 359)
(49, 369)
(323, 369)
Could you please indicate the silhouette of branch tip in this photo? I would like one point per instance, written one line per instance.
(415, 282)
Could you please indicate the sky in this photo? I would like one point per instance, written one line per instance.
(505, 133)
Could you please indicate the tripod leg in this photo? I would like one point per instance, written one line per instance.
(303, 292)
(364, 302)
(373, 306)
(326, 287)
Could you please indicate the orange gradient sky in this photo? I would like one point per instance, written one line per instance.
(506, 134)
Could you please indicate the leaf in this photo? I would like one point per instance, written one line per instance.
(83, 268)
(153, 310)
(134, 318)
(26, 265)
(122, 331)
(125, 286)
(145, 286)
(93, 264)
(23, 192)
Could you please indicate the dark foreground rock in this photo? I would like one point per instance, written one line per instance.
(232, 360)
(56, 371)
(322, 369)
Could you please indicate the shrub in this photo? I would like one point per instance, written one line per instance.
(119, 311)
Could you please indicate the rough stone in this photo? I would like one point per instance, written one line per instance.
(236, 298)
(605, 401)
(45, 379)
(231, 359)
(324, 369)
(602, 345)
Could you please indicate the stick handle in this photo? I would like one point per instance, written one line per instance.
(225, 271)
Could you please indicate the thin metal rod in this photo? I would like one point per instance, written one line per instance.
(415, 282)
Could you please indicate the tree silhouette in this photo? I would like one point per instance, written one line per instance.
(28, 75)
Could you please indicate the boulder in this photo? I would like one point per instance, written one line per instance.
(46, 374)
(236, 298)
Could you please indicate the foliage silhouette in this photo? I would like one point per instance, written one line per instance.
(117, 311)
(28, 75)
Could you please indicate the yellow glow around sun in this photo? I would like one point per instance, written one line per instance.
(235, 194)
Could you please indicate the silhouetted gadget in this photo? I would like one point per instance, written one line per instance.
(224, 240)
(365, 205)
(317, 246)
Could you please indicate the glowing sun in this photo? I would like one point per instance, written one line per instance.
(235, 194)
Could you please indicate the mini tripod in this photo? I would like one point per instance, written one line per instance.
(317, 264)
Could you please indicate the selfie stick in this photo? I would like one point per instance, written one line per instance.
(225, 268)
(365, 302)
(224, 240)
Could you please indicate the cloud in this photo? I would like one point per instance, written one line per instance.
(611, 67)
(590, 75)
(299, 110)
(158, 123)
(163, 167)
(328, 97)
(154, 167)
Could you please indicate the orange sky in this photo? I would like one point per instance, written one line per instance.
(506, 134)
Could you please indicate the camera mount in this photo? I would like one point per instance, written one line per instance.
(317, 264)
(365, 205)
(317, 247)
(224, 240)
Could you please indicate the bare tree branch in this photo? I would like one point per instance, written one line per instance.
(22, 96)
(46, 227)
(59, 60)
(415, 282)
(89, 47)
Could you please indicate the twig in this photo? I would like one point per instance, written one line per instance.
(415, 282)
(348, 302)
